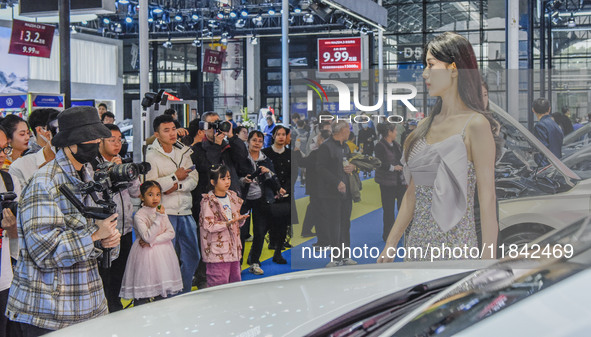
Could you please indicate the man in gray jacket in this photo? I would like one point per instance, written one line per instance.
(173, 169)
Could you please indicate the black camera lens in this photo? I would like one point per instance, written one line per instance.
(225, 126)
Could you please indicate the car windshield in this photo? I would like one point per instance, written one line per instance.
(577, 140)
(523, 169)
(491, 290)
(580, 162)
(434, 309)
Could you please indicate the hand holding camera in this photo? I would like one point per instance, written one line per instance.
(9, 223)
(107, 229)
(113, 240)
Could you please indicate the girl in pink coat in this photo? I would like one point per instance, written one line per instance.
(220, 223)
(152, 268)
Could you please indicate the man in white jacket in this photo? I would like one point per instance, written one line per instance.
(173, 169)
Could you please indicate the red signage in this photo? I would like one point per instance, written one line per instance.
(31, 39)
(213, 61)
(338, 55)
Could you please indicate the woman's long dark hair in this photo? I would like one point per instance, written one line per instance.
(449, 48)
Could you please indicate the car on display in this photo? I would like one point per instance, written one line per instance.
(539, 291)
(536, 191)
(576, 140)
(580, 162)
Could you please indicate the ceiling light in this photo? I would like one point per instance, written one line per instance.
(233, 14)
(178, 17)
(220, 15)
(167, 44)
(106, 21)
(272, 11)
(244, 12)
(571, 21)
(240, 23)
(195, 16)
(297, 10)
(157, 10)
(128, 19)
(124, 2)
(258, 20)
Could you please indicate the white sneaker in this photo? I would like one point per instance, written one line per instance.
(349, 262)
(333, 264)
(255, 268)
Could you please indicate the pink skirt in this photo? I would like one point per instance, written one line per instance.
(151, 271)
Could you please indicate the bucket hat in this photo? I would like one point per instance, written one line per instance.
(78, 125)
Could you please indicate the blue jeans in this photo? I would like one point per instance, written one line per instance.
(185, 245)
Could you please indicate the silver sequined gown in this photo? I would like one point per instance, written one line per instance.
(444, 210)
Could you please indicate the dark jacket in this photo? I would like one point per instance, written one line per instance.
(365, 140)
(389, 155)
(564, 122)
(309, 163)
(282, 165)
(550, 134)
(330, 170)
(232, 154)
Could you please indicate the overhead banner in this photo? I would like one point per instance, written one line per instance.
(13, 101)
(213, 61)
(47, 101)
(339, 55)
(31, 39)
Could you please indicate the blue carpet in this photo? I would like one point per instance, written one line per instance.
(365, 230)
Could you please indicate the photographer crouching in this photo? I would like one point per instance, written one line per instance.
(56, 281)
(109, 149)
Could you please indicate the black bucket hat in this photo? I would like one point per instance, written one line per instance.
(78, 125)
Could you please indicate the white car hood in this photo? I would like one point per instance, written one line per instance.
(286, 305)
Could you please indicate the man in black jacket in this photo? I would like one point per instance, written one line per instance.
(309, 163)
(216, 148)
(334, 193)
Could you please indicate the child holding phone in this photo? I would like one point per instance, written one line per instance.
(220, 223)
(152, 269)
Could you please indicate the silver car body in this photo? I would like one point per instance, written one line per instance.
(285, 305)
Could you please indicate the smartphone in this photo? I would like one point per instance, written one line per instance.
(247, 213)
(191, 168)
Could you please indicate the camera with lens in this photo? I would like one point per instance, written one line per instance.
(217, 126)
(7, 200)
(112, 178)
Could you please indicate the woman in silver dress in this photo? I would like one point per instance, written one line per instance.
(450, 153)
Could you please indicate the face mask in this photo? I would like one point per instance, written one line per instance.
(86, 152)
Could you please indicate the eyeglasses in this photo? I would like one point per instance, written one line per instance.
(7, 149)
(115, 141)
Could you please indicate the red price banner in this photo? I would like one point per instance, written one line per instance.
(213, 61)
(31, 39)
(338, 55)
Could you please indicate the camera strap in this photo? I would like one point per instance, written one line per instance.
(7, 178)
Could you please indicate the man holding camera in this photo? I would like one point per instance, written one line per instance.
(173, 169)
(56, 281)
(219, 146)
(109, 149)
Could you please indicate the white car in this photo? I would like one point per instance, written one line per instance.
(536, 191)
(576, 140)
(543, 296)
